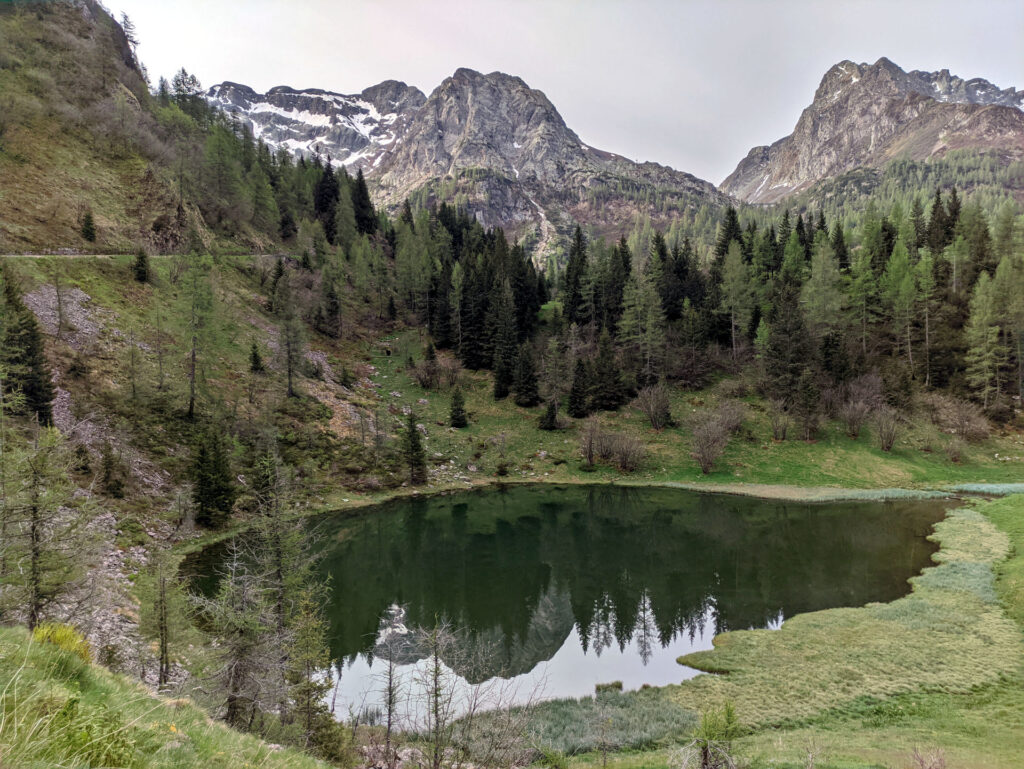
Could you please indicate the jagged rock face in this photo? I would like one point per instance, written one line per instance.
(866, 115)
(491, 139)
(354, 130)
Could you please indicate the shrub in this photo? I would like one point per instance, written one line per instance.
(959, 417)
(867, 388)
(626, 452)
(955, 450)
(887, 424)
(449, 372)
(710, 438)
(63, 637)
(854, 414)
(653, 401)
(731, 415)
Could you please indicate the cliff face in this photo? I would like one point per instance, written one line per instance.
(866, 115)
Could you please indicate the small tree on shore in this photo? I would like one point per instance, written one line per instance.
(457, 417)
(415, 456)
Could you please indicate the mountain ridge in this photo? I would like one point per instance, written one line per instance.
(867, 114)
(488, 141)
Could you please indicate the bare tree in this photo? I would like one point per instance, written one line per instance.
(887, 425)
(654, 402)
(854, 414)
(710, 437)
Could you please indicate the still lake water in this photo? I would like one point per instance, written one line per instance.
(557, 589)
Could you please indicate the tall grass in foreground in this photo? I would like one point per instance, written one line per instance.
(58, 710)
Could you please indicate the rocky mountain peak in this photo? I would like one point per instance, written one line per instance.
(868, 114)
(497, 144)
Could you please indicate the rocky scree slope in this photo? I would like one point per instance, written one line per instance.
(868, 114)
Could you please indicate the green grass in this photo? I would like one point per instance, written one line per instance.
(57, 710)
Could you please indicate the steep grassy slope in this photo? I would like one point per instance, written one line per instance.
(75, 134)
(58, 710)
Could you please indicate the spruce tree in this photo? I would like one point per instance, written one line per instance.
(607, 392)
(362, 206)
(140, 269)
(457, 416)
(255, 359)
(573, 307)
(549, 419)
(503, 339)
(415, 456)
(524, 385)
(89, 227)
(579, 393)
(213, 488)
(22, 355)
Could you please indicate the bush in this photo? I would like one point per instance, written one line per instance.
(731, 415)
(63, 637)
(887, 425)
(653, 402)
(624, 451)
(959, 417)
(955, 450)
(854, 414)
(867, 388)
(710, 438)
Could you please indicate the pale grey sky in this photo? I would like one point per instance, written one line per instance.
(693, 84)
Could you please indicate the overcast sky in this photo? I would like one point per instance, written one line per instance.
(693, 84)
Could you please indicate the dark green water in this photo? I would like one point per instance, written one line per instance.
(583, 585)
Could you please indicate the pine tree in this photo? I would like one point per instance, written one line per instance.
(579, 393)
(213, 489)
(524, 385)
(415, 456)
(607, 392)
(839, 248)
(88, 227)
(165, 612)
(457, 416)
(140, 269)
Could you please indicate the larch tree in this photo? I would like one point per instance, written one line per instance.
(899, 291)
(737, 293)
(47, 544)
(985, 354)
